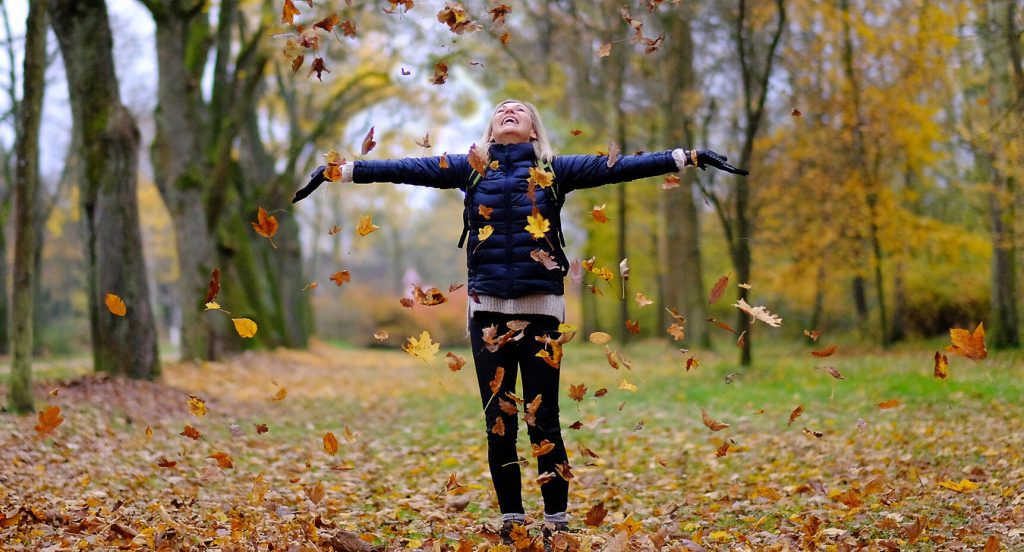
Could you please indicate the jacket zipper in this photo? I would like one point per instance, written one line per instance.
(509, 232)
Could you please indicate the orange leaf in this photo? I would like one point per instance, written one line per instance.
(316, 492)
(633, 326)
(288, 12)
(223, 460)
(826, 352)
(795, 414)
(190, 432)
(368, 143)
(49, 419)
(671, 181)
(711, 423)
(813, 334)
(485, 211)
(265, 225)
(476, 160)
(598, 213)
(115, 305)
(281, 393)
(564, 471)
(577, 392)
(341, 277)
(330, 443)
(328, 22)
(495, 383)
(543, 448)
(722, 325)
(718, 289)
(967, 344)
(891, 403)
(941, 365)
(366, 225)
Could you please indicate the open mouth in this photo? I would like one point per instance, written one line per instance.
(509, 120)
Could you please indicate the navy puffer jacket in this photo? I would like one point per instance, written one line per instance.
(502, 265)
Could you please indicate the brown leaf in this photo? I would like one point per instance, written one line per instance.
(476, 160)
(508, 407)
(826, 352)
(531, 410)
(455, 16)
(288, 12)
(341, 277)
(213, 288)
(261, 429)
(368, 143)
(723, 449)
(816, 434)
(711, 423)
(577, 392)
(348, 28)
(495, 383)
(455, 362)
(941, 365)
(718, 289)
(297, 63)
(722, 325)
(671, 181)
(813, 334)
(429, 298)
(544, 258)
(564, 471)
(316, 492)
(319, 68)
(223, 460)
(832, 372)
(265, 225)
(165, 463)
(676, 331)
(992, 544)
(795, 414)
(499, 427)
(913, 531)
(891, 403)
(633, 326)
(613, 154)
(542, 448)
(440, 77)
(605, 50)
(693, 363)
(595, 515)
(967, 344)
(796, 112)
(328, 22)
(190, 432)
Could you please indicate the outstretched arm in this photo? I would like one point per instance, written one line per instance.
(418, 171)
(576, 172)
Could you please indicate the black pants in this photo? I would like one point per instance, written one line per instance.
(538, 379)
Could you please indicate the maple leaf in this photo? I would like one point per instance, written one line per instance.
(642, 300)
(333, 172)
(455, 16)
(341, 277)
(963, 486)
(671, 181)
(544, 258)
(328, 23)
(530, 415)
(537, 225)
(335, 230)
(967, 344)
(941, 365)
(288, 12)
(499, 427)
(759, 313)
(485, 212)
(476, 160)
(213, 288)
(190, 432)
(196, 406)
(626, 386)
(331, 444)
(508, 407)
(795, 414)
(246, 328)
(498, 13)
(718, 289)
(826, 352)
(542, 448)
(676, 331)
(564, 471)
(368, 143)
(422, 348)
(115, 305)
(598, 213)
(440, 77)
(540, 177)
(633, 326)
(604, 50)
(577, 392)
(223, 460)
(711, 423)
(265, 225)
(261, 428)
(49, 419)
(319, 67)
(348, 28)
(366, 225)
(429, 298)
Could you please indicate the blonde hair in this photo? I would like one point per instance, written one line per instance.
(541, 145)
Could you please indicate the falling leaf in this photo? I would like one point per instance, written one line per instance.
(423, 348)
(348, 28)
(759, 313)
(223, 460)
(458, 21)
(564, 471)
(826, 352)
(49, 419)
(833, 372)
(288, 12)
(816, 434)
(440, 74)
(196, 406)
(605, 50)
(711, 423)
(190, 432)
(642, 300)
(633, 326)
(476, 160)
(577, 392)
(692, 362)
(795, 112)
(744, 285)
(335, 230)
(613, 154)
(407, 302)
(485, 212)
(265, 225)
(368, 143)
(891, 403)
(311, 285)
(671, 181)
(296, 65)
(261, 428)
(530, 414)
(366, 225)
(941, 365)
(676, 331)
(626, 386)
(425, 142)
(381, 335)
(543, 448)
(213, 288)
(795, 414)
(723, 449)
(341, 277)
(328, 23)
(331, 444)
(599, 338)
(429, 298)
(813, 334)
(598, 213)
(485, 232)
(508, 407)
(505, 37)
(149, 432)
(623, 270)
(544, 258)
(244, 327)
(729, 378)
(967, 344)
(495, 384)
(455, 362)
(499, 427)
(722, 325)
(281, 393)
(601, 392)
(537, 225)
(319, 67)
(115, 305)
(741, 341)
(718, 289)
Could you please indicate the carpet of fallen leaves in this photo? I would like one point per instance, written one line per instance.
(409, 470)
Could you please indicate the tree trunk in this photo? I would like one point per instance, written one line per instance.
(26, 195)
(681, 278)
(5, 336)
(109, 142)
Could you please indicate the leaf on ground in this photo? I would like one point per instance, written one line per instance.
(595, 515)
(891, 403)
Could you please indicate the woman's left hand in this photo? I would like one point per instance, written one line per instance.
(708, 158)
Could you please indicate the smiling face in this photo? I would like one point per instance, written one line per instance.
(512, 124)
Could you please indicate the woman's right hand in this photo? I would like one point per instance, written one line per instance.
(315, 180)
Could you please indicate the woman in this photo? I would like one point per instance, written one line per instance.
(516, 270)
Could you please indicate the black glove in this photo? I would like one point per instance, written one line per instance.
(315, 180)
(708, 158)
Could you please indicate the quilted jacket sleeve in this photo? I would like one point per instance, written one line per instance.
(577, 172)
(418, 171)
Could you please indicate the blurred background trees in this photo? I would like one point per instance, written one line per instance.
(883, 138)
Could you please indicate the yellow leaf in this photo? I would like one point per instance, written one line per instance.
(537, 224)
(423, 348)
(485, 232)
(627, 386)
(961, 487)
(566, 328)
(719, 535)
(115, 305)
(244, 327)
(540, 177)
(366, 225)
(212, 305)
(196, 406)
(282, 392)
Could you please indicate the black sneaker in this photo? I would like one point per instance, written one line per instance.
(549, 530)
(506, 531)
